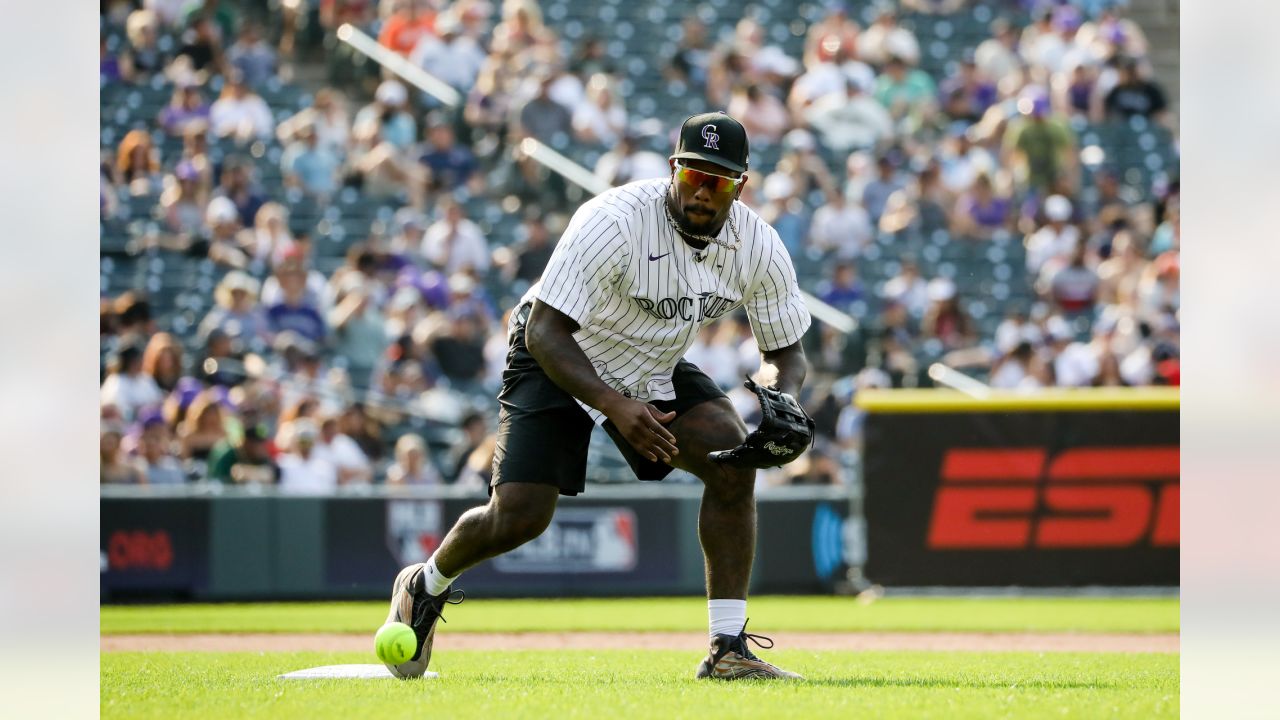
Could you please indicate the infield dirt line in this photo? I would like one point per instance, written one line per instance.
(356, 642)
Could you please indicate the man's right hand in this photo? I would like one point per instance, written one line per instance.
(643, 425)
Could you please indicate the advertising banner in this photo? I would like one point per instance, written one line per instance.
(153, 547)
(1034, 494)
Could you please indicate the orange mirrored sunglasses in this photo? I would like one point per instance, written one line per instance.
(714, 183)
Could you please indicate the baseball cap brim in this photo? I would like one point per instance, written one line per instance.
(722, 162)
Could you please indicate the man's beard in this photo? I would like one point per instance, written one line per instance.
(690, 226)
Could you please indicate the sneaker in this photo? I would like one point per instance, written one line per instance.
(411, 605)
(731, 659)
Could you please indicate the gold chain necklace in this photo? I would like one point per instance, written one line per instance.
(733, 228)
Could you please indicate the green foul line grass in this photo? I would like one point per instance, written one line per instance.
(768, 613)
(648, 684)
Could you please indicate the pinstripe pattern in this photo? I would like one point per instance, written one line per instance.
(639, 296)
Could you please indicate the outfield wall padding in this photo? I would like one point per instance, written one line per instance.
(1069, 488)
(235, 545)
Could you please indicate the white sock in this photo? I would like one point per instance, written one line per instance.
(727, 616)
(436, 581)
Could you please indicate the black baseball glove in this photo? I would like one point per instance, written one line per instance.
(785, 431)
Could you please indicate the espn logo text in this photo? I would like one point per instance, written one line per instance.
(1082, 498)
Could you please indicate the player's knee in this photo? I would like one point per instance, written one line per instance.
(515, 526)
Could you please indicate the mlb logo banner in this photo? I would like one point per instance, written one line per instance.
(579, 540)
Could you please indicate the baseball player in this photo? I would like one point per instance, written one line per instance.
(600, 339)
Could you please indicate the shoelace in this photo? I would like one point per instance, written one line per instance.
(759, 640)
(421, 613)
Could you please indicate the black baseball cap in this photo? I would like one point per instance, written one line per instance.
(714, 137)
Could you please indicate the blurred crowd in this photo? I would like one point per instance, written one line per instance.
(381, 366)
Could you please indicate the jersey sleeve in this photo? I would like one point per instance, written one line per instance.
(588, 259)
(777, 312)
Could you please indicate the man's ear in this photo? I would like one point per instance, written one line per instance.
(738, 193)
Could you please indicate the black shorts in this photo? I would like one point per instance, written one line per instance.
(543, 433)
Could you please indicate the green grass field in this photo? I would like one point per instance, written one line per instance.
(768, 613)
(582, 684)
(655, 683)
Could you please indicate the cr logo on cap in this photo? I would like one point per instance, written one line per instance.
(710, 136)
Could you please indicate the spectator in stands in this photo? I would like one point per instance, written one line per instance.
(408, 23)
(382, 134)
(222, 225)
(388, 118)
(850, 120)
(327, 116)
(268, 240)
(1019, 369)
(200, 55)
(908, 288)
(127, 386)
(1055, 45)
(143, 56)
(236, 312)
(530, 254)
(309, 166)
(997, 57)
(1111, 34)
(1135, 96)
(239, 112)
(1073, 287)
(203, 426)
(474, 430)
(138, 164)
(317, 286)
(945, 319)
(1056, 240)
(1120, 274)
(1075, 91)
(886, 182)
(412, 465)
(223, 362)
(763, 114)
(980, 212)
(186, 109)
(156, 455)
(602, 119)
(168, 13)
(359, 337)
(785, 212)
(252, 56)
(692, 57)
(452, 166)
(885, 39)
(967, 93)
(844, 291)
(364, 260)
(449, 54)
(112, 68)
(453, 243)
(909, 94)
(840, 227)
(458, 347)
(183, 201)
(1040, 148)
(162, 361)
(245, 462)
(116, 468)
(303, 470)
(220, 14)
(236, 184)
(628, 161)
(1159, 291)
(356, 423)
(348, 460)
(293, 311)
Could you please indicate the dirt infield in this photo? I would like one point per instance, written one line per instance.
(349, 642)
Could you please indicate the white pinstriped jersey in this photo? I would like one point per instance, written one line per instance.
(639, 294)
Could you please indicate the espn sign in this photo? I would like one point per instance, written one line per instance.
(1079, 498)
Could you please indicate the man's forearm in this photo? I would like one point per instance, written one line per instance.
(785, 368)
(551, 343)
